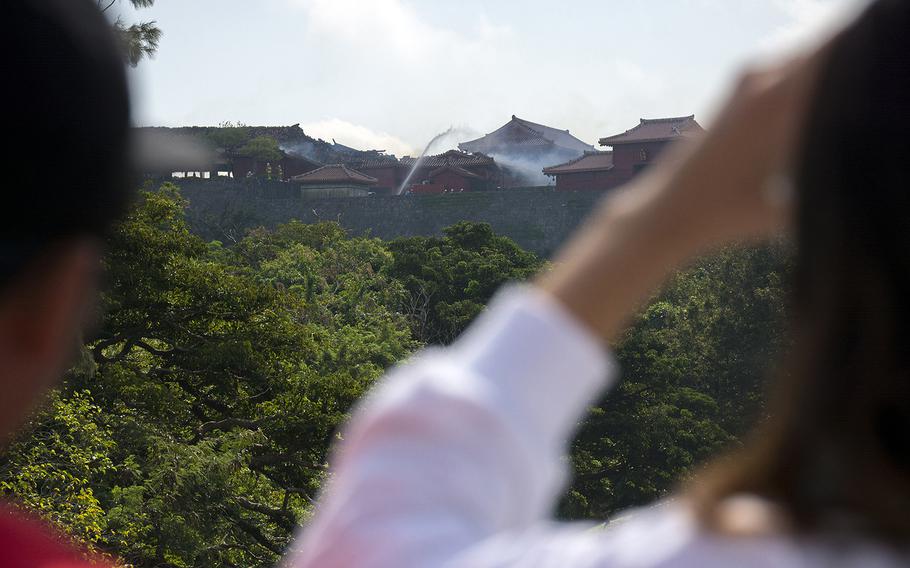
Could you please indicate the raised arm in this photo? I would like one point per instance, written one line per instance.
(732, 185)
(462, 446)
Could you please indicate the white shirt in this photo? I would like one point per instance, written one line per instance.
(455, 460)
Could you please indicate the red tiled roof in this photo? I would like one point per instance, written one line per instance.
(452, 168)
(377, 161)
(520, 132)
(334, 173)
(589, 162)
(656, 129)
(454, 157)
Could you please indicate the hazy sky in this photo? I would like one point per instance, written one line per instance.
(392, 73)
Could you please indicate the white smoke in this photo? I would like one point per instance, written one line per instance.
(303, 148)
(527, 170)
(357, 136)
(442, 140)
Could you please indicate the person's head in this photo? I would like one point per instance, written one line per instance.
(835, 450)
(65, 177)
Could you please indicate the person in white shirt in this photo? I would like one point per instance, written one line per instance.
(455, 459)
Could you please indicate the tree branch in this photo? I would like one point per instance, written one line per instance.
(227, 424)
(283, 518)
(253, 531)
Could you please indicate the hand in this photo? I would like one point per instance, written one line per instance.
(703, 194)
(726, 186)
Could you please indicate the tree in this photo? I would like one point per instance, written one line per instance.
(449, 280)
(694, 370)
(218, 378)
(229, 136)
(55, 470)
(262, 148)
(139, 40)
(195, 429)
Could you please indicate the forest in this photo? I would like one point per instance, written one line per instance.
(195, 426)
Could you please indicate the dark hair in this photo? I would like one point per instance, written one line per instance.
(65, 164)
(835, 450)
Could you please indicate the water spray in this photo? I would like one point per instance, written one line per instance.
(421, 158)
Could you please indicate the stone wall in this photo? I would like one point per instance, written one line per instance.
(538, 219)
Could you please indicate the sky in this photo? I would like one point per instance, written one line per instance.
(391, 74)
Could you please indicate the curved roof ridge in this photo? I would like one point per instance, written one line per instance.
(603, 160)
(655, 129)
(454, 168)
(667, 119)
(538, 134)
(335, 173)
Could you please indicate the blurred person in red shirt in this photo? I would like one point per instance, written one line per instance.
(65, 180)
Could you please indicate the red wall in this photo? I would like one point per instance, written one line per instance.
(627, 160)
(627, 163)
(390, 178)
(586, 181)
(489, 176)
(453, 181)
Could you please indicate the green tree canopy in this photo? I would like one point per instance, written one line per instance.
(229, 136)
(694, 368)
(195, 429)
(218, 379)
(448, 280)
(262, 148)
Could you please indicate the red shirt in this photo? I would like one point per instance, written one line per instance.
(27, 543)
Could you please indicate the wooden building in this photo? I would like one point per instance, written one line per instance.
(389, 172)
(631, 152)
(284, 169)
(592, 170)
(636, 148)
(528, 140)
(335, 180)
(449, 178)
(452, 171)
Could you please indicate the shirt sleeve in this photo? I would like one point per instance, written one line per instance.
(461, 444)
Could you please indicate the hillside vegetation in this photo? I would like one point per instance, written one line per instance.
(194, 429)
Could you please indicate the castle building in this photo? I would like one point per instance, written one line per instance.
(527, 140)
(631, 152)
(388, 171)
(284, 169)
(592, 170)
(334, 180)
(452, 171)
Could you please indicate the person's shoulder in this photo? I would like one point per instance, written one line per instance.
(668, 534)
(28, 543)
(654, 536)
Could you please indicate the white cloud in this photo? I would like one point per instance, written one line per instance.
(807, 21)
(390, 68)
(356, 136)
(386, 25)
(391, 28)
